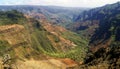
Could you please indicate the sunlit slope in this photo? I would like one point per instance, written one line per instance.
(28, 38)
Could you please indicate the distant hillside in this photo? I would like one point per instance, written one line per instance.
(56, 15)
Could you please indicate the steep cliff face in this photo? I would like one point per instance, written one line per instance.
(104, 42)
(102, 24)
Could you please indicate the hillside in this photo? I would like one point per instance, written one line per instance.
(102, 25)
(25, 38)
(75, 38)
(99, 24)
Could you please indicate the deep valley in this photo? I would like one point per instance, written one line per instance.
(53, 37)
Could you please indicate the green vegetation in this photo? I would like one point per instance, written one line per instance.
(11, 17)
(3, 46)
(36, 39)
(78, 53)
(40, 41)
(80, 41)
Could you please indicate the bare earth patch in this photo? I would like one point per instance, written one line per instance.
(46, 64)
